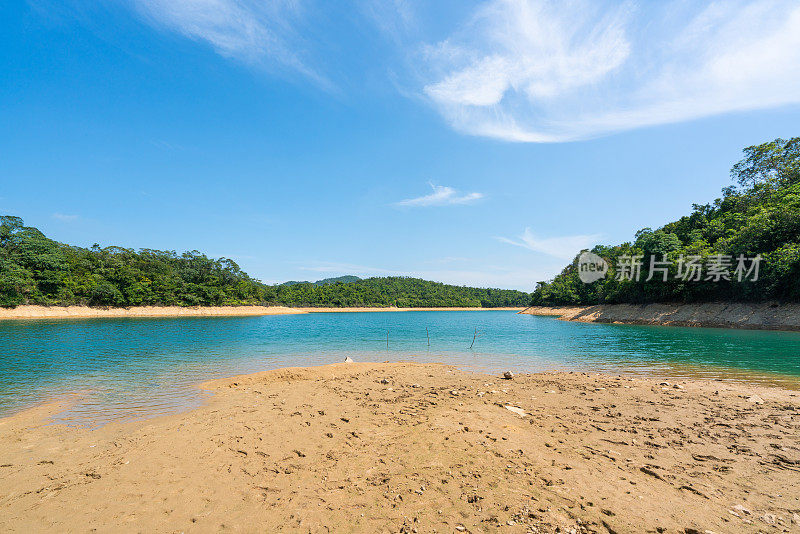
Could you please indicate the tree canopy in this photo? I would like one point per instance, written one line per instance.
(38, 270)
(398, 291)
(759, 217)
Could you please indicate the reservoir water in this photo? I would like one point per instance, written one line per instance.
(118, 369)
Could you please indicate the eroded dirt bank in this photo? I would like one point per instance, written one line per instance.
(767, 316)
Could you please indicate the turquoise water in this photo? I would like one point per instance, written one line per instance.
(116, 369)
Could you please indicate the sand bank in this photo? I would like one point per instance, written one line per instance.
(764, 316)
(419, 448)
(84, 312)
(391, 309)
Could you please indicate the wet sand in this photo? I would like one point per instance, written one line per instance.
(419, 448)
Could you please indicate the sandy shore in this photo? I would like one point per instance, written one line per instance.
(418, 448)
(86, 312)
(764, 316)
(345, 310)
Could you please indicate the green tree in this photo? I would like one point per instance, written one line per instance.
(758, 216)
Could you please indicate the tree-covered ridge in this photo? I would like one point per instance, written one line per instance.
(759, 216)
(398, 291)
(38, 270)
(345, 279)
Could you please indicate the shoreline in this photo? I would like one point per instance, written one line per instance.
(396, 446)
(392, 309)
(33, 312)
(748, 316)
(53, 405)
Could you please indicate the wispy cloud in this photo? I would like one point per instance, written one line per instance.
(565, 247)
(441, 196)
(394, 18)
(547, 71)
(64, 218)
(261, 33)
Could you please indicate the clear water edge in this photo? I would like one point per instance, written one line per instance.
(121, 369)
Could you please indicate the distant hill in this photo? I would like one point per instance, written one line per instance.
(37, 270)
(343, 279)
(398, 291)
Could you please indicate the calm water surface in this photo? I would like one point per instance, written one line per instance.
(115, 369)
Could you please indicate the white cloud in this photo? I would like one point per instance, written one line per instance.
(546, 70)
(565, 247)
(65, 218)
(441, 196)
(256, 32)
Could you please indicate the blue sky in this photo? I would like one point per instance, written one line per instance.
(479, 143)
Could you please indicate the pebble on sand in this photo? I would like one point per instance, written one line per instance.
(519, 411)
(741, 509)
(348, 359)
(508, 375)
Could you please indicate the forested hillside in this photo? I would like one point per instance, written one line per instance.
(38, 270)
(398, 291)
(745, 246)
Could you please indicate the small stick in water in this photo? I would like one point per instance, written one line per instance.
(429, 336)
(474, 337)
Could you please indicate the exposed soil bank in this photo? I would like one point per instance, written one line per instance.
(764, 316)
(418, 448)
